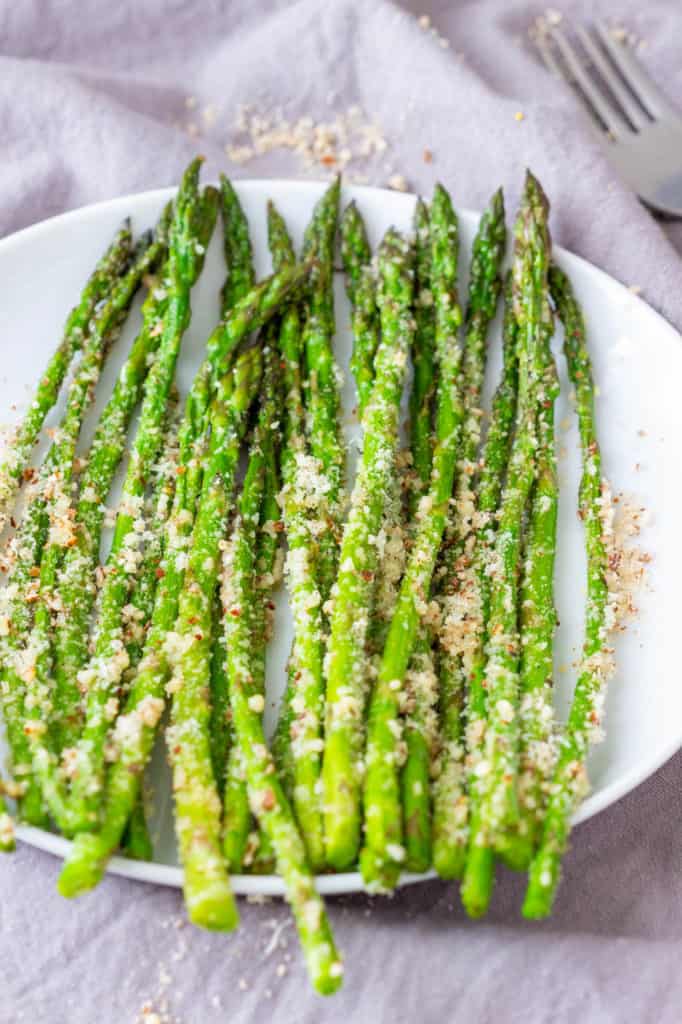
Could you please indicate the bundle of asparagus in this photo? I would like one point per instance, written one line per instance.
(417, 728)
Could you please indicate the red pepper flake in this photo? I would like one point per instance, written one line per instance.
(268, 800)
(427, 156)
(278, 526)
(328, 160)
(159, 573)
(235, 613)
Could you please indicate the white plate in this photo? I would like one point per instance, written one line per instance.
(638, 365)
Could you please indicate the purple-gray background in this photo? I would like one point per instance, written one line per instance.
(92, 99)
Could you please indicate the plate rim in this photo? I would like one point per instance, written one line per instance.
(347, 882)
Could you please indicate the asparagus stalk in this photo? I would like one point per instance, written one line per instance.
(268, 800)
(241, 276)
(298, 740)
(221, 733)
(237, 813)
(538, 623)
(193, 220)
(239, 260)
(134, 737)
(420, 681)
(458, 587)
(346, 657)
(139, 611)
(97, 288)
(323, 379)
(423, 358)
(384, 852)
(7, 827)
(496, 770)
(206, 886)
(569, 780)
(361, 288)
(136, 842)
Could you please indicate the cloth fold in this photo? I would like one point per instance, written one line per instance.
(97, 100)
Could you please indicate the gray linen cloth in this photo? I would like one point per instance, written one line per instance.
(93, 105)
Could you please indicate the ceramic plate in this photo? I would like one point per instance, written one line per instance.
(638, 366)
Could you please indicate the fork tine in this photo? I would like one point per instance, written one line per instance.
(609, 116)
(548, 57)
(648, 94)
(634, 113)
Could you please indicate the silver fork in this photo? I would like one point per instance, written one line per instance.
(641, 129)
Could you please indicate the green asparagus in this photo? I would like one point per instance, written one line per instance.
(326, 444)
(346, 658)
(361, 288)
(569, 780)
(496, 770)
(197, 804)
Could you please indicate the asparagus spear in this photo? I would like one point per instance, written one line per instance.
(193, 220)
(298, 739)
(361, 288)
(383, 851)
(569, 780)
(139, 611)
(323, 379)
(496, 768)
(293, 437)
(221, 732)
(346, 667)
(268, 800)
(538, 623)
(50, 499)
(423, 357)
(237, 819)
(458, 587)
(420, 681)
(206, 886)
(7, 827)
(229, 777)
(136, 842)
(97, 288)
